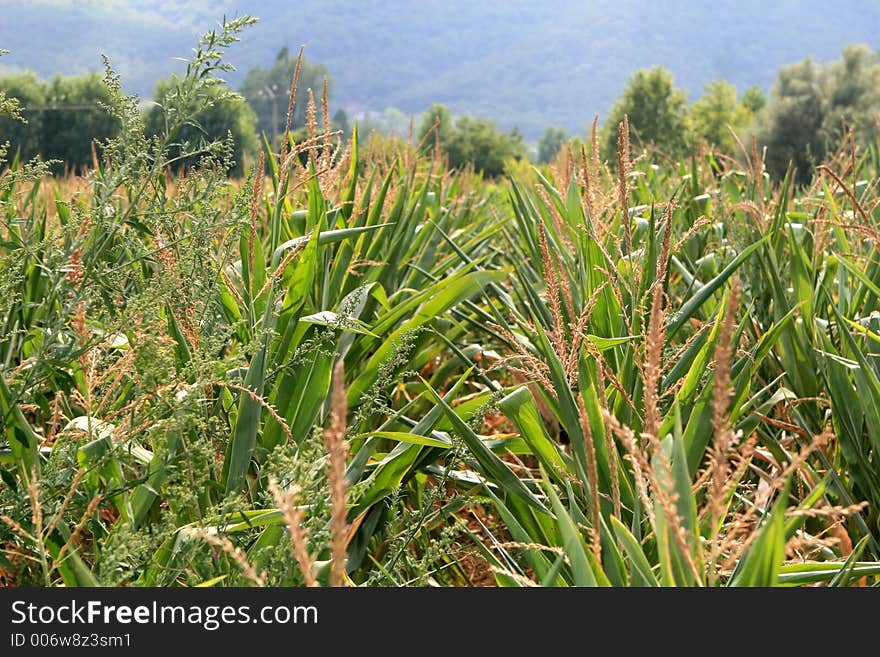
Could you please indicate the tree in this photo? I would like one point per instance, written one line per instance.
(753, 99)
(76, 117)
(391, 121)
(395, 121)
(210, 120)
(852, 86)
(23, 136)
(440, 116)
(340, 121)
(65, 117)
(550, 143)
(480, 143)
(470, 141)
(713, 116)
(809, 106)
(268, 92)
(791, 124)
(657, 112)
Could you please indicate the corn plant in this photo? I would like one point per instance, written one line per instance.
(356, 366)
(674, 434)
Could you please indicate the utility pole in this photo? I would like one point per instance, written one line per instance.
(273, 99)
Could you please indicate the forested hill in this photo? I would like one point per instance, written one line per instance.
(520, 62)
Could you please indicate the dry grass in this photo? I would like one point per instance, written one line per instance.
(337, 450)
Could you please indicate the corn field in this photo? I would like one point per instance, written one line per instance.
(357, 367)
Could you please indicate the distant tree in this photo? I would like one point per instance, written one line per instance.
(790, 125)
(390, 121)
(479, 142)
(470, 141)
(340, 121)
(550, 143)
(9, 105)
(753, 99)
(395, 121)
(75, 118)
(809, 105)
(657, 112)
(64, 117)
(30, 91)
(440, 116)
(852, 87)
(268, 92)
(212, 120)
(713, 116)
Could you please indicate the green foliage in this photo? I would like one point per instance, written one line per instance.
(753, 99)
(809, 106)
(712, 117)
(64, 117)
(657, 112)
(26, 90)
(550, 143)
(436, 124)
(220, 116)
(790, 126)
(340, 121)
(9, 105)
(479, 142)
(626, 506)
(470, 141)
(68, 134)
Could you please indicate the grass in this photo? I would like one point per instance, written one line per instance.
(358, 367)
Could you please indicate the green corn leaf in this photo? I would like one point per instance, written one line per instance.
(493, 467)
(692, 305)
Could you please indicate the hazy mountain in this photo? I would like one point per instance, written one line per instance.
(521, 62)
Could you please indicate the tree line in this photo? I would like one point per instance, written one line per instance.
(800, 124)
(809, 113)
(63, 118)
